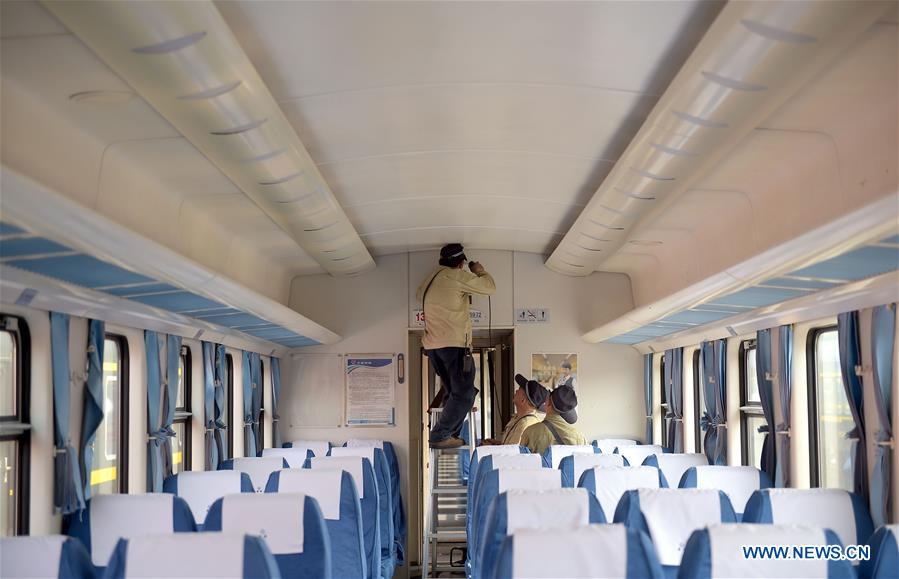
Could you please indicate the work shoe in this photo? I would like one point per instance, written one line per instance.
(451, 442)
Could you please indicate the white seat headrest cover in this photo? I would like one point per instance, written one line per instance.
(493, 450)
(673, 514)
(827, 508)
(593, 551)
(295, 456)
(517, 461)
(673, 466)
(637, 453)
(737, 482)
(201, 488)
(613, 481)
(559, 451)
(361, 451)
(608, 445)
(355, 442)
(259, 468)
(36, 557)
(318, 447)
(582, 462)
(557, 508)
(728, 561)
(276, 517)
(322, 485)
(351, 464)
(114, 517)
(186, 555)
(536, 479)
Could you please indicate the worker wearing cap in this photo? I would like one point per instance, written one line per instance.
(445, 296)
(557, 427)
(529, 399)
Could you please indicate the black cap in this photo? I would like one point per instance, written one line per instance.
(565, 402)
(534, 391)
(520, 380)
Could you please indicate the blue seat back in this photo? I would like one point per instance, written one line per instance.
(737, 482)
(553, 455)
(201, 488)
(258, 468)
(338, 501)
(609, 483)
(884, 560)
(291, 524)
(43, 557)
(573, 466)
(674, 465)
(482, 452)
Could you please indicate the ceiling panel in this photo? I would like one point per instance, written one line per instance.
(861, 263)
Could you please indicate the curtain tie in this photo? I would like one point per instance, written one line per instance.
(854, 434)
(161, 436)
(707, 421)
(764, 429)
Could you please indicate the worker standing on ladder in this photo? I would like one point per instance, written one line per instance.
(445, 296)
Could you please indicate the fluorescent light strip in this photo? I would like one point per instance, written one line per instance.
(171, 45)
(212, 92)
(777, 34)
(240, 129)
(700, 121)
(732, 83)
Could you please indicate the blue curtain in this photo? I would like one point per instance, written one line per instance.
(276, 396)
(68, 494)
(850, 364)
(785, 389)
(256, 365)
(249, 429)
(647, 392)
(883, 335)
(209, 385)
(156, 431)
(93, 400)
(221, 382)
(714, 381)
(674, 384)
(766, 393)
(170, 397)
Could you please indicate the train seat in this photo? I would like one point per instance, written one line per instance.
(553, 455)
(609, 483)
(193, 555)
(498, 461)
(674, 465)
(517, 509)
(339, 503)
(738, 482)
(363, 473)
(201, 488)
(843, 512)
(108, 518)
(717, 551)
(608, 445)
(318, 447)
(635, 454)
(42, 557)
(884, 560)
(669, 517)
(295, 456)
(482, 452)
(385, 500)
(257, 467)
(594, 551)
(573, 466)
(291, 524)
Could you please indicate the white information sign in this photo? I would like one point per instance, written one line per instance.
(531, 316)
(370, 389)
(477, 318)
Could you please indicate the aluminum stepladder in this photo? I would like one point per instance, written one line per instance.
(446, 500)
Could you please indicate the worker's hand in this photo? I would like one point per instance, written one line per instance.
(476, 268)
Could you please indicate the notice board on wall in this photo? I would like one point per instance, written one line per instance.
(370, 389)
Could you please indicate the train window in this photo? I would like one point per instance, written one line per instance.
(181, 426)
(831, 415)
(229, 403)
(751, 415)
(664, 399)
(698, 401)
(111, 442)
(14, 427)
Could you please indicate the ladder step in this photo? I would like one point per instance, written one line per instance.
(450, 491)
(449, 536)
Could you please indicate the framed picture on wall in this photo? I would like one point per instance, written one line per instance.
(554, 370)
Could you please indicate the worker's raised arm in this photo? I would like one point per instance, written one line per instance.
(480, 283)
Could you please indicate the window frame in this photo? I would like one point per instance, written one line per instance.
(124, 409)
(663, 399)
(229, 406)
(748, 409)
(697, 399)
(811, 364)
(17, 428)
(183, 414)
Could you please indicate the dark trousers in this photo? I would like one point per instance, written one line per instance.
(459, 387)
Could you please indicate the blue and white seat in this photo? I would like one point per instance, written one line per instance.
(201, 488)
(385, 499)
(718, 552)
(737, 482)
(291, 524)
(884, 561)
(503, 461)
(338, 500)
(573, 466)
(294, 457)
(108, 518)
(363, 474)
(318, 447)
(553, 455)
(399, 511)
(257, 467)
(609, 483)
(193, 555)
(42, 557)
(635, 454)
(674, 465)
(842, 512)
(669, 517)
(608, 445)
(514, 510)
(481, 452)
(594, 551)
